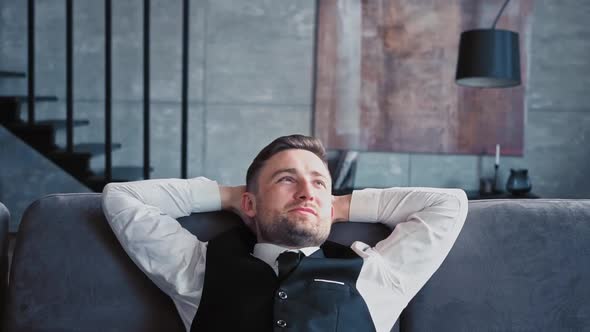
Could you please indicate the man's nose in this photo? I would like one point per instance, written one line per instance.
(305, 191)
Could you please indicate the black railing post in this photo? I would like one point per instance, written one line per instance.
(69, 76)
(107, 99)
(31, 61)
(146, 89)
(184, 121)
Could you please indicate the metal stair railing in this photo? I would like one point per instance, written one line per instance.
(70, 123)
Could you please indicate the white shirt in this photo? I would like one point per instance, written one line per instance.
(427, 222)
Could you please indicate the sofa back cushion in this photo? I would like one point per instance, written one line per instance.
(70, 273)
(518, 265)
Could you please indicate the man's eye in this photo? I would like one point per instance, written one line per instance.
(286, 179)
(321, 183)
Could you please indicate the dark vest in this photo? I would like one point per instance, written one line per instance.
(243, 293)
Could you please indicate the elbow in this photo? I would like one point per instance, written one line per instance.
(109, 188)
(455, 202)
(460, 204)
(108, 201)
(461, 197)
(112, 189)
(106, 192)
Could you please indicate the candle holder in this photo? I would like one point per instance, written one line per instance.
(495, 184)
(489, 185)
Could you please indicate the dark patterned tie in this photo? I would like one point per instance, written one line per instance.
(288, 261)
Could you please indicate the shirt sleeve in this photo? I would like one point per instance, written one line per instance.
(425, 223)
(143, 216)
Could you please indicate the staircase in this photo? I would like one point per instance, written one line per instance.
(41, 137)
(75, 159)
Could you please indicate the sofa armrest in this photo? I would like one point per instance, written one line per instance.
(4, 222)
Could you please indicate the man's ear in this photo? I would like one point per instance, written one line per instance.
(249, 209)
(249, 204)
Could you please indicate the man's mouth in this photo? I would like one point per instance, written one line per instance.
(305, 210)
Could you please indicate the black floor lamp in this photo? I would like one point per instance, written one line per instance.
(489, 58)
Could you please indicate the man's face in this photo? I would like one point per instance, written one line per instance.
(293, 204)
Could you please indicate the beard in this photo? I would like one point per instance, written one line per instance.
(294, 231)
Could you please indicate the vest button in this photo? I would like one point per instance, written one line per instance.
(282, 295)
(281, 323)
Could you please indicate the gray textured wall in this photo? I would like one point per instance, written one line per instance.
(251, 80)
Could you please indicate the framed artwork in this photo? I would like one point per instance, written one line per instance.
(385, 78)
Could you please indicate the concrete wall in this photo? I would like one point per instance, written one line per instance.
(251, 80)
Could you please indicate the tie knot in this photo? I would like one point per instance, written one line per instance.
(288, 261)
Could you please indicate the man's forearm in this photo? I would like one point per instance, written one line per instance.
(174, 197)
(231, 197)
(396, 205)
(341, 208)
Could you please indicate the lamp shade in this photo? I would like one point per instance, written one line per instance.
(488, 58)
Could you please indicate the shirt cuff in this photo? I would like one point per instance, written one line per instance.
(205, 195)
(364, 205)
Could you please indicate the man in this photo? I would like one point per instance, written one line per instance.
(279, 272)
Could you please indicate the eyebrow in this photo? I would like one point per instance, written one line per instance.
(294, 172)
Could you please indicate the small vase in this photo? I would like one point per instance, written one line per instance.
(518, 182)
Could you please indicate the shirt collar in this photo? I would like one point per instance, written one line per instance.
(268, 252)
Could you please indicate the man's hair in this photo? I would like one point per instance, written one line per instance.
(282, 143)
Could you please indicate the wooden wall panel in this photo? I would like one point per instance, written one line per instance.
(385, 79)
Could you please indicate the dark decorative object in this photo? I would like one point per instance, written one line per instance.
(486, 186)
(342, 166)
(489, 58)
(519, 182)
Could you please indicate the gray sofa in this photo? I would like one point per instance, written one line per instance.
(518, 265)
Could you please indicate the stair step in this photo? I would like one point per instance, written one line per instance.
(62, 124)
(24, 126)
(40, 137)
(12, 104)
(76, 163)
(24, 98)
(14, 74)
(95, 148)
(9, 113)
(61, 153)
